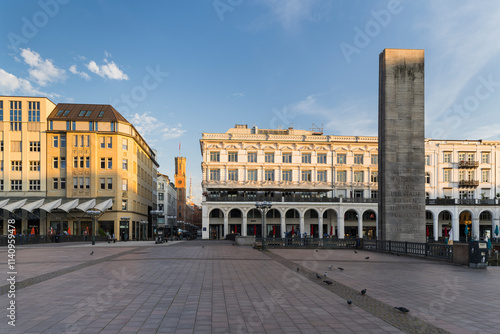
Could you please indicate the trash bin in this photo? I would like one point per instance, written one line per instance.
(56, 239)
(478, 254)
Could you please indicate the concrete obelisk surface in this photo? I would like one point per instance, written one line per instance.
(401, 146)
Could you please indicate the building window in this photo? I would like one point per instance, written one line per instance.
(269, 157)
(287, 176)
(374, 159)
(125, 164)
(125, 144)
(33, 111)
(15, 115)
(1, 184)
(34, 166)
(232, 175)
(110, 142)
(161, 196)
(87, 162)
(485, 175)
(75, 141)
(447, 175)
(232, 157)
(461, 175)
(1, 114)
(252, 175)
(306, 158)
(113, 126)
(51, 125)
(34, 185)
(91, 126)
(215, 175)
(214, 156)
(110, 183)
(63, 162)
(125, 185)
(358, 159)
(103, 163)
(374, 194)
(87, 141)
(68, 125)
(428, 178)
(306, 176)
(55, 162)
(16, 185)
(102, 181)
(322, 176)
(34, 146)
(124, 205)
(73, 125)
(110, 163)
(103, 142)
(427, 160)
(269, 175)
(485, 157)
(16, 166)
(447, 157)
(341, 176)
(82, 113)
(341, 159)
(75, 183)
(63, 141)
(55, 183)
(75, 162)
(374, 177)
(80, 182)
(81, 140)
(358, 177)
(63, 183)
(1, 165)
(322, 158)
(252, 157)
(287, 158)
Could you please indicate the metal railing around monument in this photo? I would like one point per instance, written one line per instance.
(430, 250)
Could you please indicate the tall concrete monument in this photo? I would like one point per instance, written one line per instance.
(401, 146)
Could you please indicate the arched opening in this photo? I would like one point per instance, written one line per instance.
(311, 224)
(351, 224)
(486, 224)
(465, 226)
(273, 224)
(235, 221)
(330, 222)
(216, 224)
(369, 224)
(254, 222)
(444, 222)
(429, 225)
(292, 223)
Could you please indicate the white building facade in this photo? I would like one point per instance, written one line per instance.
(327, 186)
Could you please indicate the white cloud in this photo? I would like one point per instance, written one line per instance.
(84, 75)
(41, 70)
(351, 118)
(147, 124)
(109, 70)
(10, 84)
(238, 94)
(464, 39)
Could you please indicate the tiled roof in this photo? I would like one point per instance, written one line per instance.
(86, 112)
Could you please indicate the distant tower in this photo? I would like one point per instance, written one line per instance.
(190, 189)
(180, 184)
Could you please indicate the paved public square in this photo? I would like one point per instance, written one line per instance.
(216, 287)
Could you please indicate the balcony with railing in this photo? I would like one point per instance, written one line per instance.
(468, 164)
(468, 183)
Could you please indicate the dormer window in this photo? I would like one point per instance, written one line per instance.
(66, 113)
(81, 113)
(101, 113)
(59, 112)
(88, 113)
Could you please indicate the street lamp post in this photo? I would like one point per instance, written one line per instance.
(263, 207)
(94, 214)
(155, 214)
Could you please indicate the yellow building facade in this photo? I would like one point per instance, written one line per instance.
(89, 157)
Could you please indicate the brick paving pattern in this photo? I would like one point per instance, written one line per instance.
(215, 287)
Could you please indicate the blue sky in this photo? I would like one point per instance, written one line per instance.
(178, 68)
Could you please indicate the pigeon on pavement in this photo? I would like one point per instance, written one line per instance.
(349, 301)
(92, 253)
(363, 292)
(367, 258)
(317, 276)
(402, 309)
(328, 282)
(341, 268)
